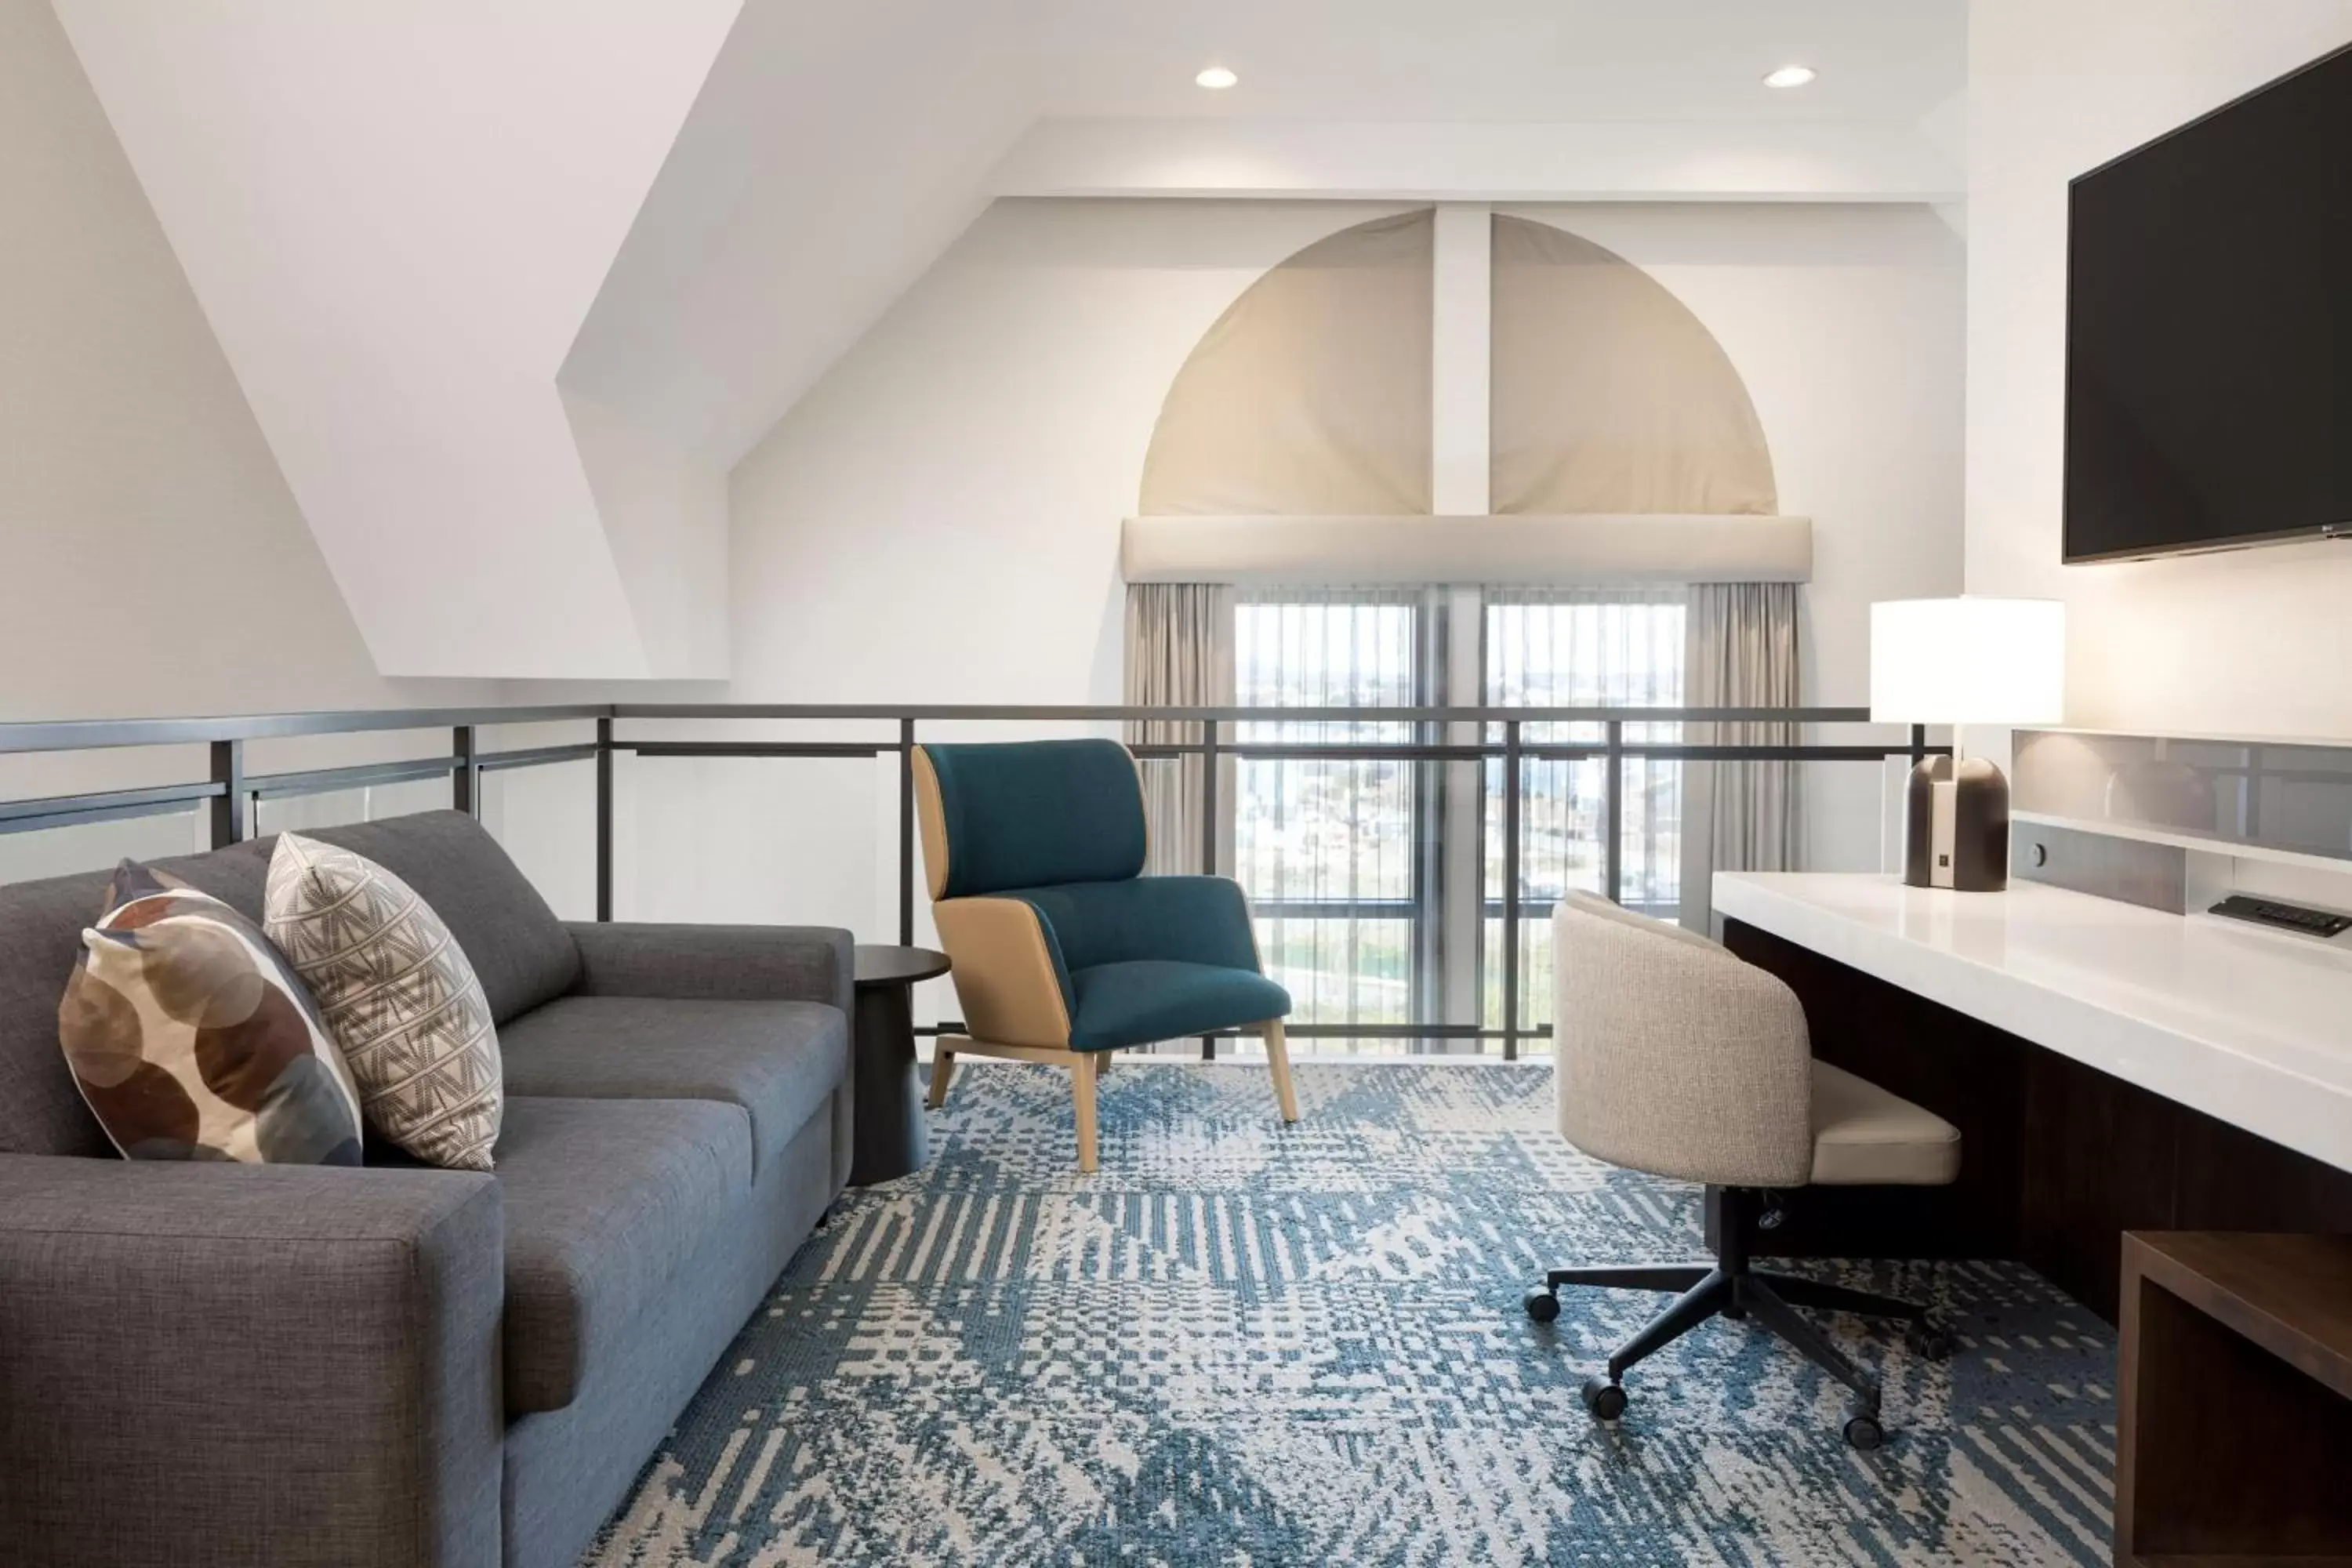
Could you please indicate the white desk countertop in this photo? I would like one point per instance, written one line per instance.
(2251, 1027)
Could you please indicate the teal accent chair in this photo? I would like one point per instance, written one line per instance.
(1064, 951)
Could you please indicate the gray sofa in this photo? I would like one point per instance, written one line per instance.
(305, 1367)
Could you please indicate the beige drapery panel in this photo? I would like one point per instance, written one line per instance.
(1741, 652)
(1180, 653)
(1608, 395)
(1310, 396)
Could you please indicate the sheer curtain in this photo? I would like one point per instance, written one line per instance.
(1180, 654)
(1580, 646)
(1748, 816)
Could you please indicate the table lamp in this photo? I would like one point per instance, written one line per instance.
(1964, 661)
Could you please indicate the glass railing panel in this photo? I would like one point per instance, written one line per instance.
(95, 846)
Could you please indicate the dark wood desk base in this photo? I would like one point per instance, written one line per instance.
(2058, 1159)
(2234, 1400)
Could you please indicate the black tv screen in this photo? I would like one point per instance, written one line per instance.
(2208, 330)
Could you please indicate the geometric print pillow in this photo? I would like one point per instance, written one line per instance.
(190, 1038)
(397, 994)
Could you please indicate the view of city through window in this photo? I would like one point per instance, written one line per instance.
(1359, 913)
(1331, 851)
(1607, 648)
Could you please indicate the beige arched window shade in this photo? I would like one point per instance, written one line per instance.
(1310, 396)
(1608, 396)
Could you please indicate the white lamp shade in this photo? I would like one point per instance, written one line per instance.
(1968, 661)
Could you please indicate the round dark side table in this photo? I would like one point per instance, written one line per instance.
(890, 1140)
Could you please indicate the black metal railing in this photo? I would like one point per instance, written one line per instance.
(229, 793)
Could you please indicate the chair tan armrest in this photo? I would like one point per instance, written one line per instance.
(1007, 975)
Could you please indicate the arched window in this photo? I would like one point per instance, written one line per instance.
(1632, 553)
(1608, 395)
(1310, 396)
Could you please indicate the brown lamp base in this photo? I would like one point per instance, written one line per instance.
(1956, 825)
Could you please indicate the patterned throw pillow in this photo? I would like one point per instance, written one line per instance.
(398, 996)
(191, 1039)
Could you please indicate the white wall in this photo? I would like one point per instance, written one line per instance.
(938, 519)
(2253, 642)
(665, 515)
(152, 560)
(396, 218)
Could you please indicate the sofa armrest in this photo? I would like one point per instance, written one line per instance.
(221, 1363)
(716, 963)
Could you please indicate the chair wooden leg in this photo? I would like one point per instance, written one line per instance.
(1082, 1090)
(943, 1069)
(1277, 1061)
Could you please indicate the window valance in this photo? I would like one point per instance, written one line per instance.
(1564, 549)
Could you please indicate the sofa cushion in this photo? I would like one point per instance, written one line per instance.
(1142, 1000)
(519, 949)
(605, 1200)
(781, 1061)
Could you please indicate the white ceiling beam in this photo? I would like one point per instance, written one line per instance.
(1489, 161)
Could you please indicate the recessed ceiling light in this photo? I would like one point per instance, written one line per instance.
(1790, 76)
(1217, 79)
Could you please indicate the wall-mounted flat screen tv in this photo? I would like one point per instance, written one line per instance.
(2208, 330)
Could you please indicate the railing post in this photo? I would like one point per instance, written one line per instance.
(905, 833)
(230, 823)
(1208, 833)
(1208, 797)
(466, 772)
(603, 819)
(1612, 792)
(1511, 889)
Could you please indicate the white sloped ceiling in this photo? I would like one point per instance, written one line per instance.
(511, 284)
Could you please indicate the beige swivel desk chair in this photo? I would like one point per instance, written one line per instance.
(1677, 1058)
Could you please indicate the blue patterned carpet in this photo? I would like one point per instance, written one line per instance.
(1245, 1345)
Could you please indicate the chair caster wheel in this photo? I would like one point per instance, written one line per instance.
(1864, 1433)
(1604, 1398)
(1542, 1305)
(1931, 1341)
